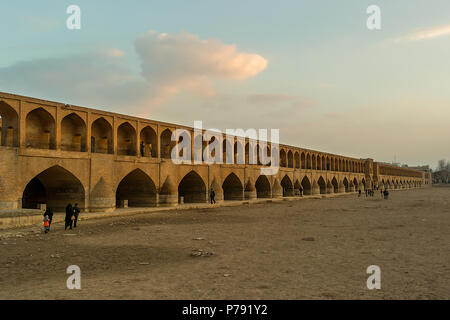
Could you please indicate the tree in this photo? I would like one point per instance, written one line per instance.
(443, 171)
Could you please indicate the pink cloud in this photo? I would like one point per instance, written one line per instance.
(185, 62)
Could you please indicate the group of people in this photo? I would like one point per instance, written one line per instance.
(371, 193)
(71, 218)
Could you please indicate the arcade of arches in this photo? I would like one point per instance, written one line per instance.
(53, 153)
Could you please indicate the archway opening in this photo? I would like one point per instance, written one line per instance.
(282, 158)
(73, 133)
(40, 130)
(262, 186)
(335, 185)
(288, 188)
(166, 144)
(148, 137)
(9, 126)
(297, 160)
(232, 188)
(138, 189)
(346, 185)
(355, 183)
(55, 187)
(290, 159)
(126, 140)
(192, 188)
(101, 137)
(322, 185)
(306, 185)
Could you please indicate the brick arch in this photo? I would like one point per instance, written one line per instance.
(9, 125)
(166, 144)
(56, 193)
(150, 139)
(290, 158)
(335, 184)
(306, 186)
(233, 188)
(287, 185)
(193, 188)
(40, 129)
(283, 158)
(138, 188)
(73, 133)
(303, 160)
(297, 160)
(322, 185)
(102, 136)
(263, 187)
(126, 139)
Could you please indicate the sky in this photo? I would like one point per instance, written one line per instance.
(312, 69)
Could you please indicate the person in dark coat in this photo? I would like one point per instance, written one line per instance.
(212, 196)
(69, 215)
(76, 213)
(49, 212)
(142, 147)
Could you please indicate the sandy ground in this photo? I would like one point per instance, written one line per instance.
(258, 252)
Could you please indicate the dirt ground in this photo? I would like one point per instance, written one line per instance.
(307, 249)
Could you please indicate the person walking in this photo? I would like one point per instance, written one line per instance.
(76, 213)
(212, 195)
(68, 218)
(49, 212)
(359, 193)
(46, 223)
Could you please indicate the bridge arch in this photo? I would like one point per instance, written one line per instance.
(288, 188)
(166, 144)
(232, 188)
(322, 185)
(297, 160)
(306, 185)
(192, 188)
(55, 192)
(148, 136)
(290, 159)
(9, 126)
(40, 129)
(101, 136)
(263, 189)
(138, 188)
(303, 160)
(126, 139)
(346, 184)
(73, 133)
(282, 158)
(335, 185)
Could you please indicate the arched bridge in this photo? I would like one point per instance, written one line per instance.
(55, 153)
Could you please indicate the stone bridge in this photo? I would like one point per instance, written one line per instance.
(55, 153)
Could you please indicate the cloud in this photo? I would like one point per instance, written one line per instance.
(183, 61)
(280, 99)
(170, 64)
(425, 34)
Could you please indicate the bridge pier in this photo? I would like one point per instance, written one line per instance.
(277, 190)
